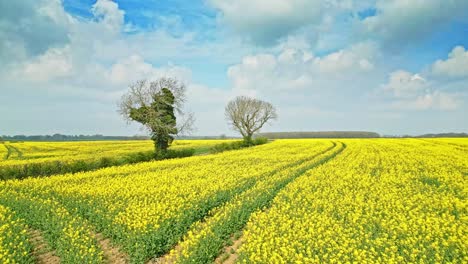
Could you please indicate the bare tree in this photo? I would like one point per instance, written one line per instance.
(155, 105)
(248, 115)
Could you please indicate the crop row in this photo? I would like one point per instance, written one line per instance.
(14, 244)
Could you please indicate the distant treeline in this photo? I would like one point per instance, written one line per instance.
(60, 137)
(207, 137)
(269, 135)
(439, 135)
(324, 134)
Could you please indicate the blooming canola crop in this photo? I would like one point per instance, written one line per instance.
(292, 201)
(380, 201)
(147, 207)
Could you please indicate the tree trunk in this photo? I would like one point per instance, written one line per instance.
(160, 145)
(248, 139)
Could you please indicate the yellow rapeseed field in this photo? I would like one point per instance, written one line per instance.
(21, 159)
(288, 201)
(381, 201)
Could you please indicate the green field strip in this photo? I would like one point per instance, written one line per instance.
(206, 239)
(15, 245)
(39, 159)
(57, 167)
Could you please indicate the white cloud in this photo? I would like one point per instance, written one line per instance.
(402, 21)
(134, 68)
(438, 88)
(31, 27)
(408, 91)
(55, 63)
(295, 69)
(109, 14)
(358, 57)
(404, 84)
(269, 73)
(455, 66)
(265, 21)
(53, 9)
(433, 100)
(87, 64)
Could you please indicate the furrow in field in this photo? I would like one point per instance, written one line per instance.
(41, 251)
(229, 255)
(206, 238)
(112, 253)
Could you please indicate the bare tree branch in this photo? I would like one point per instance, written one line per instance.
(248, 115)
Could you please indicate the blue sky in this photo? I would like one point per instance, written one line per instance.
(393, 67)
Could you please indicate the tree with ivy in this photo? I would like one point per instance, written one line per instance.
(155, 105)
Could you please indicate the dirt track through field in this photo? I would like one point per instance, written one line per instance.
(112, 253)
(41, 251)
(11, 150)
(231, 252)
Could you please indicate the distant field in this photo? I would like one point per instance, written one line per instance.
(289, 201)
(21, 159)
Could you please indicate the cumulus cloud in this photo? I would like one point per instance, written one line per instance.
(405, 84)
(456, 66)
(409, 91)
(109, 14)
(440, 86)
(433, 100)
(358, 57)
(31, 27)
(54, 63)
(295, 69)
(94, 67)
(265, 21)
(400, 21)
